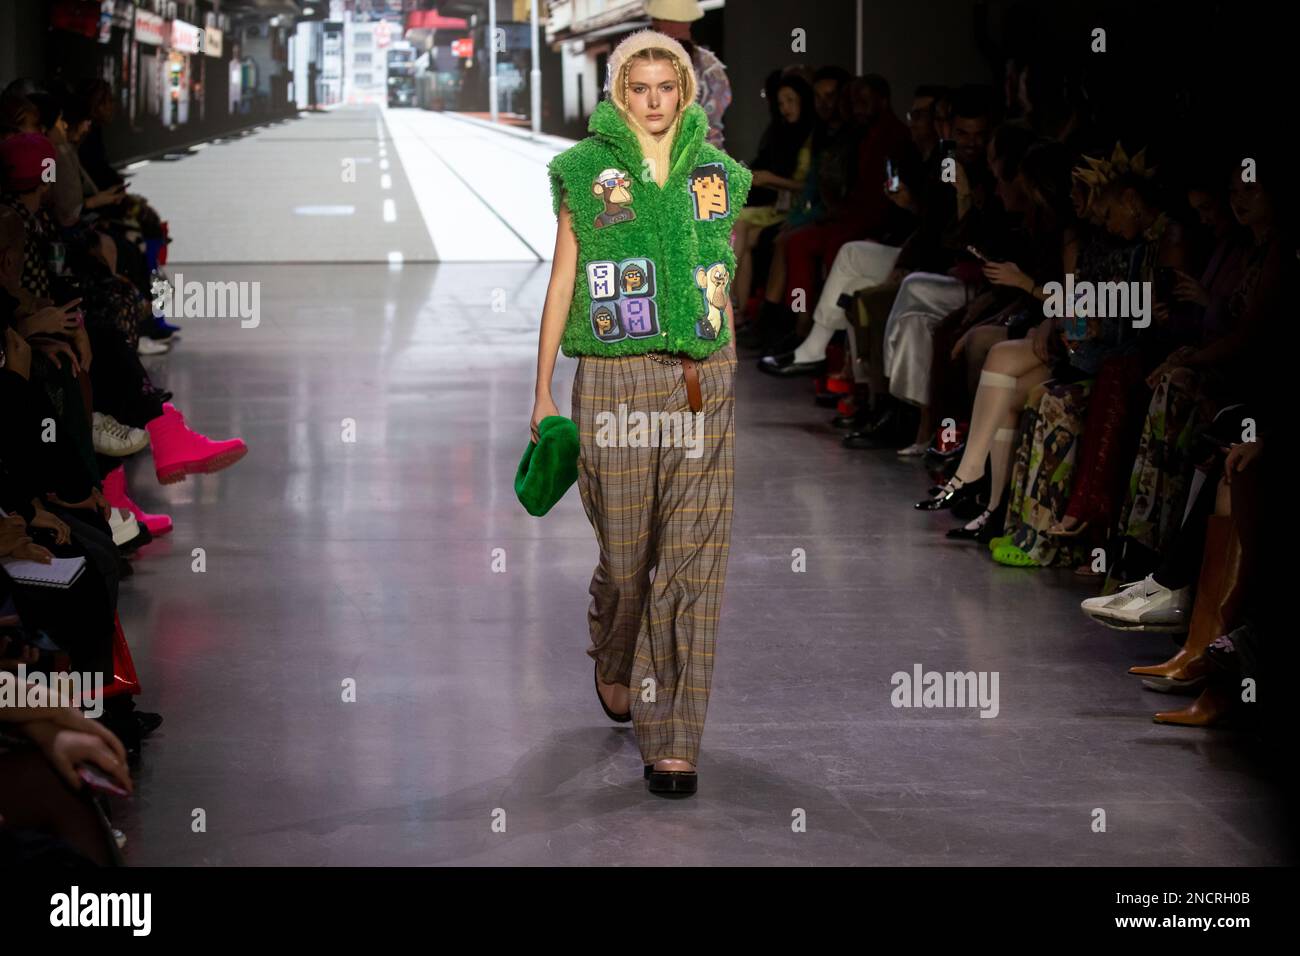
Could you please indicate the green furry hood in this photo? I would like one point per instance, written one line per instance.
(609, 130)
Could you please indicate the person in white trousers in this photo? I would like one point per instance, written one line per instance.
(858, 265)
(923, 300)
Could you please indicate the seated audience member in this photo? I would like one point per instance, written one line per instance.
(1194, 381)
(122, 389)
(979, 221)
(831, 135)
(780, 170)
(1203, 584)
(1014, 367)
(1045, 460)
(866, 262)
(923, 123)
(842, 201)
(1111, 438)
(959, 341)
(863, 211)
(47, 817)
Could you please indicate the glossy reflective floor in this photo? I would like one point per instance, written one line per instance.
(370, 563)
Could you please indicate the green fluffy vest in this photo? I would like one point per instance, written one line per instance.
(654, 263)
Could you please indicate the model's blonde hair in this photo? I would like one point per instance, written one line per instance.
(649, 54)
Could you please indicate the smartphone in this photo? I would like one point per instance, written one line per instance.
(977, 254)
(98, 781)
(1075, 329)
(891, 177)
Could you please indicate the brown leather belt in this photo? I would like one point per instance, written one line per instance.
(689, 374)
(692, 383)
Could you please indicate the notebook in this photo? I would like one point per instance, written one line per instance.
(59, 573)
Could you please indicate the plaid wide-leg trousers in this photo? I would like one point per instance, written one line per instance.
(662, 517)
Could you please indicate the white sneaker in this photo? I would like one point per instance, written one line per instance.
(113, 438)
(914, 450)
(1142, 606)
(123, 525)
(148, 346)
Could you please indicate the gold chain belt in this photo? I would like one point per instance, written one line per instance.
(663, 358)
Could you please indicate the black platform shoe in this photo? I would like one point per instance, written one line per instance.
(954, 492)
(785, 366)
(673, 783)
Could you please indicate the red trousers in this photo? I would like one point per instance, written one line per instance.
(809, 252)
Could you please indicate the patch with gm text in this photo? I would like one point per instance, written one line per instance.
(623, 298)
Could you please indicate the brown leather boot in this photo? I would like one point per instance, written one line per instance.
(1208, 709)
(1218, 595)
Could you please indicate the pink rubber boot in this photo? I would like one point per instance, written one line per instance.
(179, 451)
(115, 494)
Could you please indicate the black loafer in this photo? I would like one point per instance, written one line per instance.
(784, 366)
(617, 718)
(676, 783)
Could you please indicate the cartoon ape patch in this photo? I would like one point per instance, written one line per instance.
(708, 187)
(611, 187)
(713, 282)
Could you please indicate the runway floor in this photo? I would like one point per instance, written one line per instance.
(370, 561)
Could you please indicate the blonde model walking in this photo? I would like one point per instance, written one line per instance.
(639, 293)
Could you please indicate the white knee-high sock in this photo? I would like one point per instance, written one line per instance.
(993, 401)
(1000, 464)
(813, 348)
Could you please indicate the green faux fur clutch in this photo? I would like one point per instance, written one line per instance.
(549, 466)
